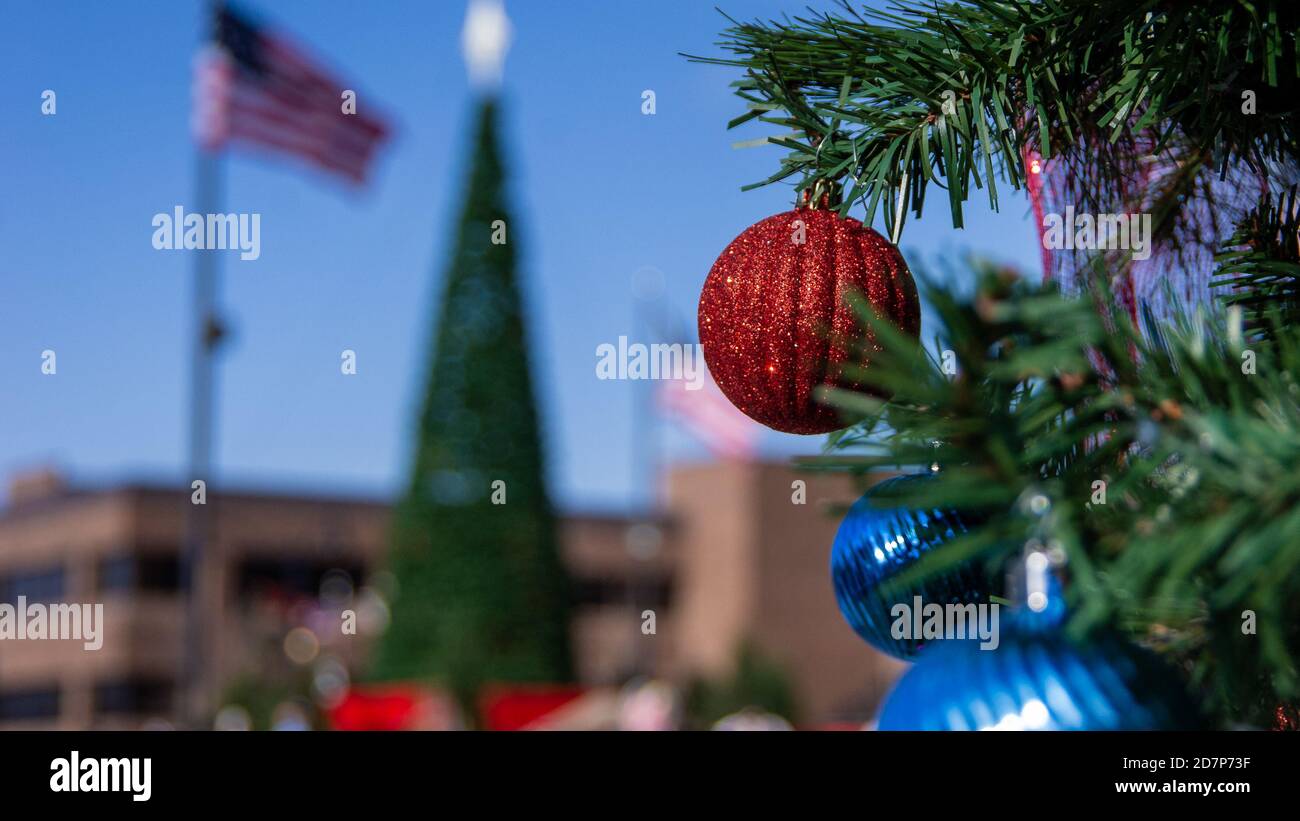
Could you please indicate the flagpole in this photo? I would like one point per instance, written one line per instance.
(206, 333)
(645, 474)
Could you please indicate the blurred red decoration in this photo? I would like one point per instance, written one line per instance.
(515, 707)
(393, 707)
(774, 319)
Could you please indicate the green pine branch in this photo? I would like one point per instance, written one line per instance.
(951, 93)
(1193, 434)
(1259, 269)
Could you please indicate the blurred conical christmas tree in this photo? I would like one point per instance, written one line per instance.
(482, 595)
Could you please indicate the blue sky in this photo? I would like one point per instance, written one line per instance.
(601, 190)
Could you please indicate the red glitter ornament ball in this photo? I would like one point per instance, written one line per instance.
(774, 319)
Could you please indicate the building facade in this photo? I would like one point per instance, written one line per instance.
(738, 554)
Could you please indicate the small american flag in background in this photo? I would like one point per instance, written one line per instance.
(710, 416)
(254, 87)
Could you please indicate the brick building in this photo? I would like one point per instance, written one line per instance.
(729, 559)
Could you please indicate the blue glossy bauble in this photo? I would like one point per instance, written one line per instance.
(877, 540)
(1038, 679)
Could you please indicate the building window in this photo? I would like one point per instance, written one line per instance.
(159, 574)
(302, 577)
(654, 593)
(21, 705)
(45, 585)
(133, 697)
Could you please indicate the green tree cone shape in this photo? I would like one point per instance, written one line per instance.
(482, 595)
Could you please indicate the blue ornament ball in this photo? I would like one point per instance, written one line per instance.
(877, 540)
(1038, 679)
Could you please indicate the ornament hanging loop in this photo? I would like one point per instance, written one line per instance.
(825, 194)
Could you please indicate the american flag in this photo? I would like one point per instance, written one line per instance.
(253, 87)
(711, 417)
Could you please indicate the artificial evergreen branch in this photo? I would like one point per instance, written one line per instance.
(1259, 269)
(952, 93)
(1194, 434)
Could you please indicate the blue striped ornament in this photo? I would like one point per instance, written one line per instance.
(1039, 679)
(878, 540)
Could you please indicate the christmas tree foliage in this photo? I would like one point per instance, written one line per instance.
(1153, 454)
(482, 596)
(953, 93)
